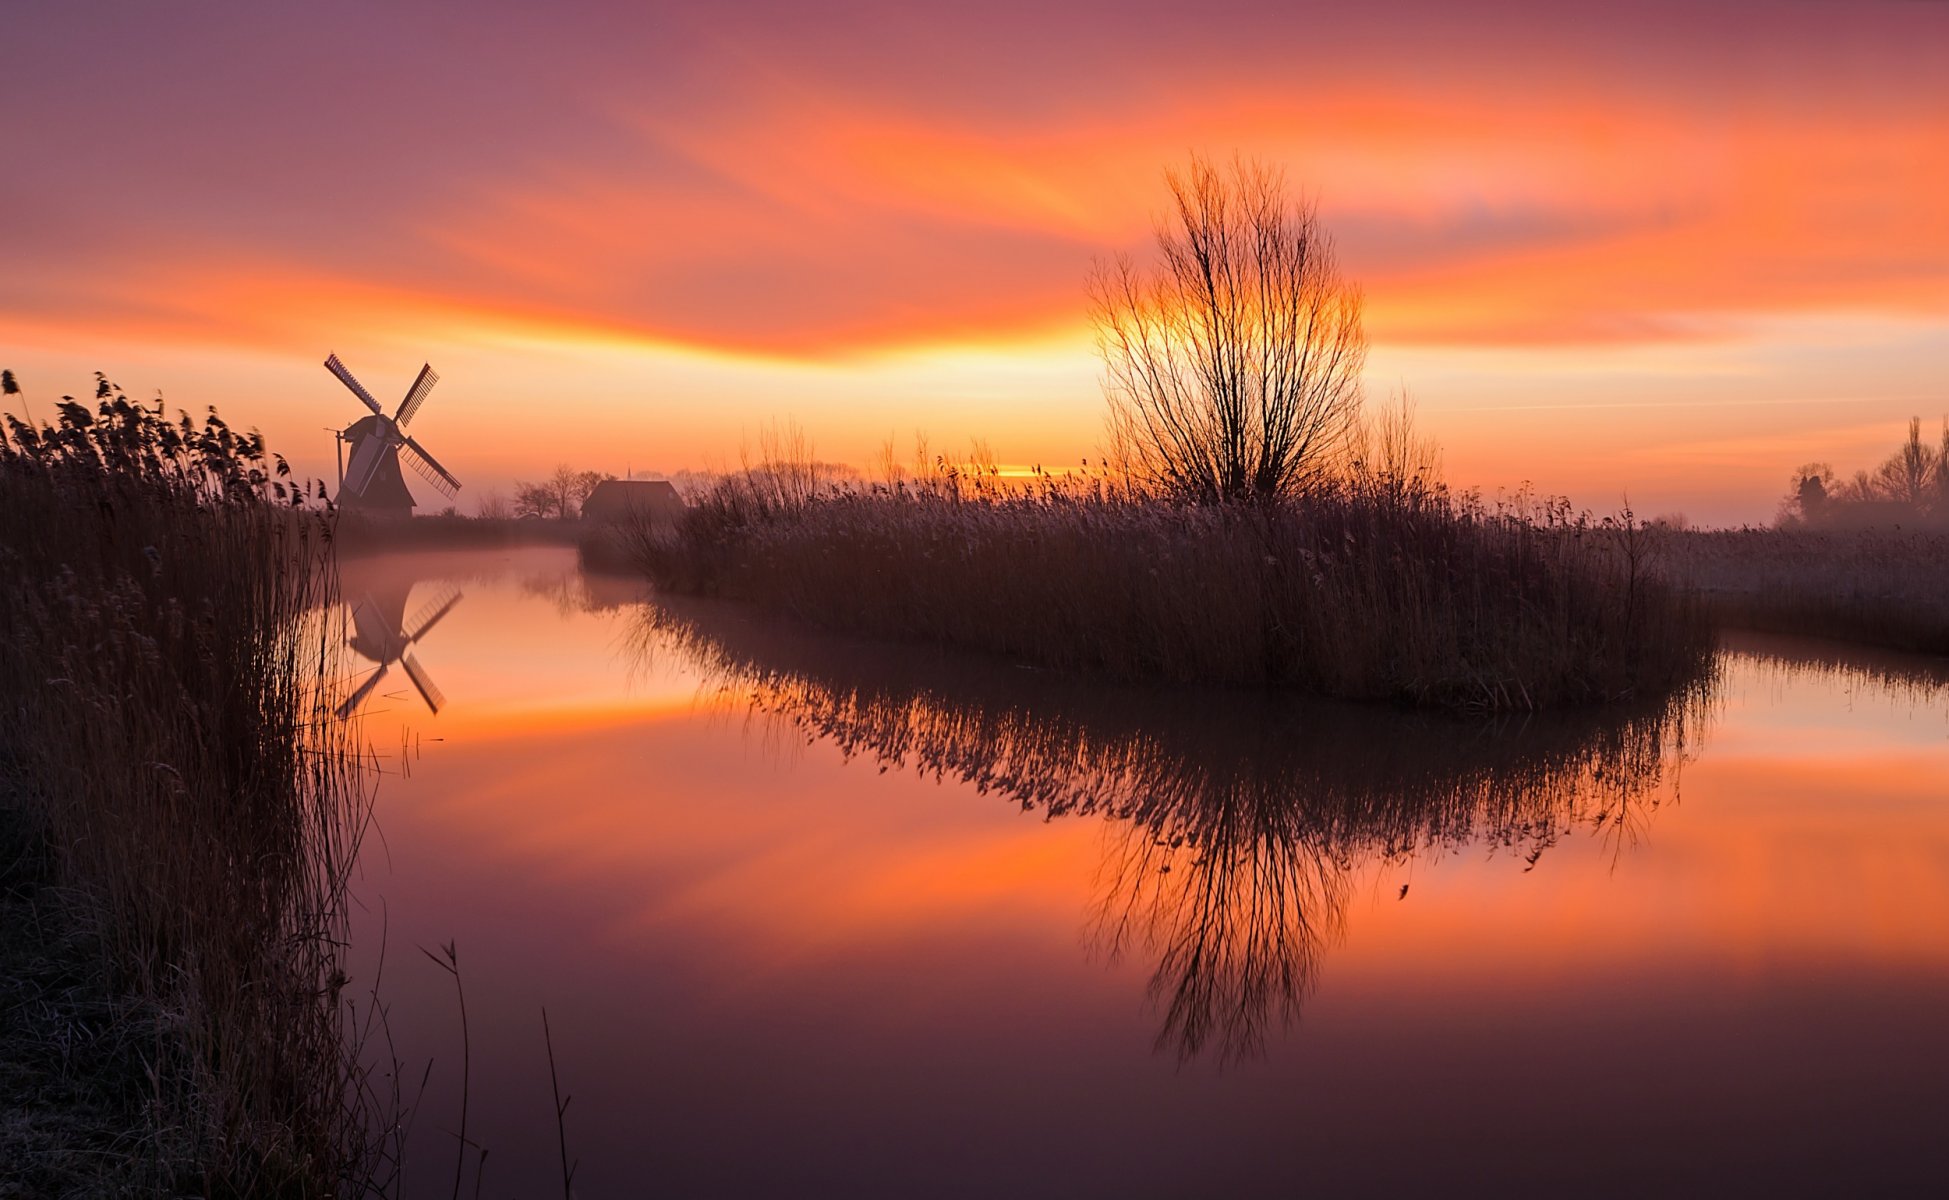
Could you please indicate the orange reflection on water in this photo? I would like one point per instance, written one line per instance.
(1761, 867)
(700, 842)
(563, 758)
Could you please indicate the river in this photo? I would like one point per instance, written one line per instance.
(816, 916)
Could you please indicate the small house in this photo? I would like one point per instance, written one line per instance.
(629, 501)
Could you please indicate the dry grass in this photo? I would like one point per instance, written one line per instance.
(1882, 587)
(167, 733)
(1393, 593)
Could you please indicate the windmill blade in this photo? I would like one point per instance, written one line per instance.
(358, 389)
(367, 457)
(417, 673)
(430, 470)
(438, 607)
(352, 702)
(416, 395)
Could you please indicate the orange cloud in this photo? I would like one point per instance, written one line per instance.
(803, 221)
(800, 203)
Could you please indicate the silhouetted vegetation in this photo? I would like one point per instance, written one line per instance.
(1909, 490)
(1864, 559)
(1383, 586)
(1233, 365)
(168, 752)
(560, 495)
(1883, 587)
(1254, 527)
(1240, 827)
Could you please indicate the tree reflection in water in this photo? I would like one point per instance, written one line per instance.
(1237, 824)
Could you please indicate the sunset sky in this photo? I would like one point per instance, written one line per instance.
(1668, 251)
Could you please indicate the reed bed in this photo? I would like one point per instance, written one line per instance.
(1389, 592)
(1883, 587)
(167, 738)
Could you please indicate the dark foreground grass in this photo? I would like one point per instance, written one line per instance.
(188, 809)
(1385, 594)
(1878, 587)
(74, 1053)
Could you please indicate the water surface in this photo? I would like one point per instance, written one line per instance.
(815, 916)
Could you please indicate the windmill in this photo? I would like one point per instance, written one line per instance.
(381, 635)
(372, 479)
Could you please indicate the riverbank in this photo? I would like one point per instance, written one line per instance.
(360, 533)
(76, 1081)
(1407, 597)
(1874, 587)
(184, 806)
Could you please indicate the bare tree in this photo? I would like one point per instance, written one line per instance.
(1908, 474)
(1941, 499)
(493, 505)
(1232, 367)
(1391, 459)
(536, 500)
(560, 495)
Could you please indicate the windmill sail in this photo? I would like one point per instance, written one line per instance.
(418, 675)
(416, 395)
(429, 470)
(358, 389)
(430, 614)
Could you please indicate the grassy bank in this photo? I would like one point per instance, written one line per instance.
(167, 746)
(359, 533)
(1395, 594)
(1879, 587)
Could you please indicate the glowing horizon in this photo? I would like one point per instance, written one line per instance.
(1656, 253)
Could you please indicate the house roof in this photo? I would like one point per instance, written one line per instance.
(633, 488)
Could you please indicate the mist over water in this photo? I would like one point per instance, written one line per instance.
(810, 913)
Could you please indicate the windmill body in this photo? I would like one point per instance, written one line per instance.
(386, 491)
(369, 477)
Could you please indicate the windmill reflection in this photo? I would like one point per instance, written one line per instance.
(1237, 826)
(382, 634)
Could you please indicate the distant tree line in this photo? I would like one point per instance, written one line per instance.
(560, 495)
(1910, 487)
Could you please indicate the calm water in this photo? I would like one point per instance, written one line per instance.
(812, 917)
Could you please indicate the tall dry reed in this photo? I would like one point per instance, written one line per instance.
(1882, 587)
(1382, 588)
(168, 730)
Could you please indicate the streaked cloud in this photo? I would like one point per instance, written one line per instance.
(769, 185)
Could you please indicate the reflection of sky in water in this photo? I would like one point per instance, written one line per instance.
(772, 970)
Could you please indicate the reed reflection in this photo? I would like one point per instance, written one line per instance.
(1237, 825)
(1850, 667)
